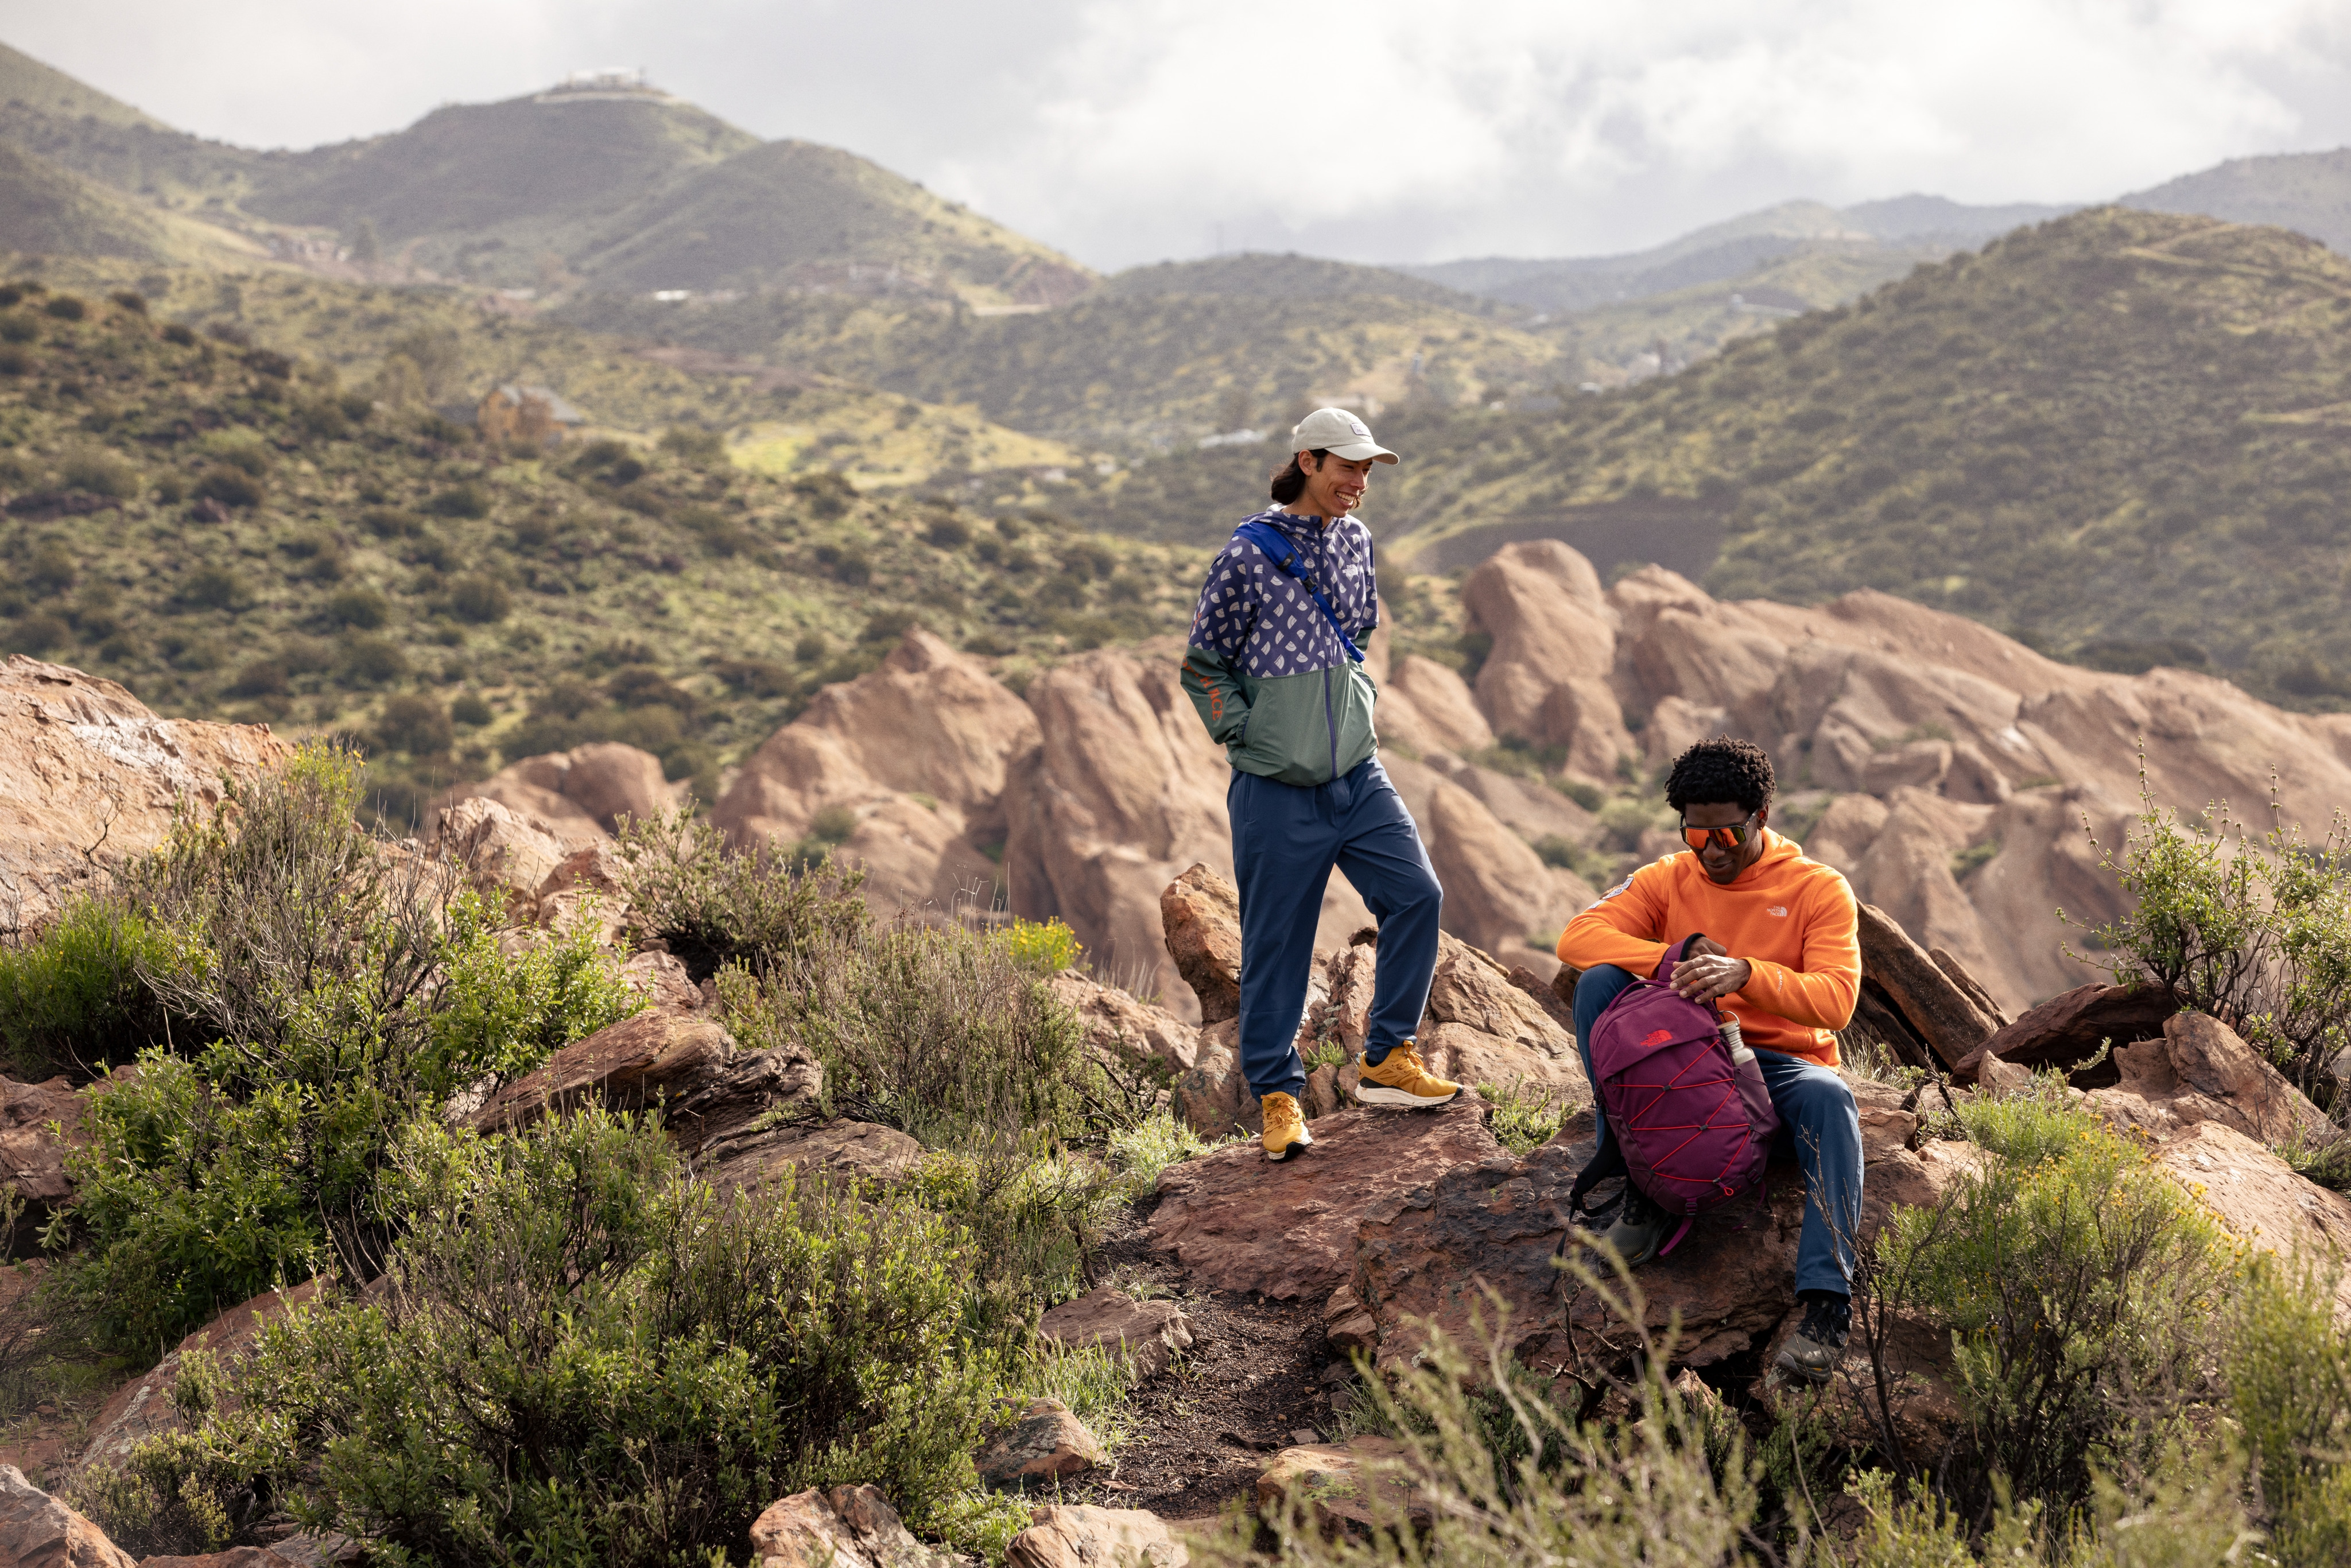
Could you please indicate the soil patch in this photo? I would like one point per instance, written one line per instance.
(1252, 1382)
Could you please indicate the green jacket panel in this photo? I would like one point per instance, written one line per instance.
(1303, 730)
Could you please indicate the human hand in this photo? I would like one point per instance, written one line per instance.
(1710, 975)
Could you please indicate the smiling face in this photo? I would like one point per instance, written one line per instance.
(1334, 486)
(1722, 862)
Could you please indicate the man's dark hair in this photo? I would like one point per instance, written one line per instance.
(1720, 770)
(1290, 483)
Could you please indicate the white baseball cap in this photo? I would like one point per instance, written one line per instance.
(1339, 433)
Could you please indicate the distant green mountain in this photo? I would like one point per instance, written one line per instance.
(611, 186)
(792, 213)
(1128, 367)
(2309, 193)
(2125, 436)
(488, 189)
(1260, 275)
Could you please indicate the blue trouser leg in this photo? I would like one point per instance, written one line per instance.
(1818, 1118)
(1386, 864)
(1594, 990)
(1286, 839)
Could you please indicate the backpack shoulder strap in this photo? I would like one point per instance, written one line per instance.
(1284, 555)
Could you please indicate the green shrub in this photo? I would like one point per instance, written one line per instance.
(1525, 1116)
(2289, 1373)
(72, 1001)
(213, 588)
(230, 486)
(714, 908)
(697, 448)
(480, 599)
(362, 607)
(585, 1358)
(345, 995)
(414, 724)
(2186, 1513)
(67, 308)
(100, 473)
(466, 500)
(2082, 1287)
(2255, 930)
(471, 710)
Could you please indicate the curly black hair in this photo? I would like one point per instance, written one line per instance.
(1719, 770)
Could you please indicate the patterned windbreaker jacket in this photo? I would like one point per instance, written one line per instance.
(1271, 679)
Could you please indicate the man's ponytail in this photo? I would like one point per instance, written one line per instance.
(1290, 483)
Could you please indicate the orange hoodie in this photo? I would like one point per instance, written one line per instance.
(1791, 918)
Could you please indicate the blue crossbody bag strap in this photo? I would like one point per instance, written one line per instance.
(1284, 555)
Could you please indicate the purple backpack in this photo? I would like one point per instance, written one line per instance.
(1687, 1116)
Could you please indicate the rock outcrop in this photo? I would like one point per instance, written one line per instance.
(1045, 1443)
(2261, 1199)
(1493, 1223)
(37, 1530)
(1349, 1489)
(1148, 1333)
(1237, 1222)
(580, 796)
(845, 1527)
(2197, 1071)
(90, 776)
(1081, 1535)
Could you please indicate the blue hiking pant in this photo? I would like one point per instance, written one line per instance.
(1818, 1124)
(1286, 839)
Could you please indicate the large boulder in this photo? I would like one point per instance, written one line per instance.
(1147, 1334)
(2070, 1027)
(918, 752)
(1042, 1446)
(2198, 1071)
(580, 796)
(1239, 1222)
(1494, 1224)
(835, 1147)
(88, 778)
(37, 1530)
(1426, 708)
(1546, 678)
(504, 851)
(1081, 1535)
(2260, 1199)
(845, 1527)
(1351, 1489)
(1200, 921)
(645, 1061)
(1119, 1027)
(1938, 1004)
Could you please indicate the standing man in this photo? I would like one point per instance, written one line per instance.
(1783, 956)
(1275, 667)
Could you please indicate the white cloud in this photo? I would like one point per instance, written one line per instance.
(1129, 130)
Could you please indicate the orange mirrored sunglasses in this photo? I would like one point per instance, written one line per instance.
(1729, 838)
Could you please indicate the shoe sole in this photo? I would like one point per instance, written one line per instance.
(1289, 1149)
(1796, 1371)
(1380, 1094)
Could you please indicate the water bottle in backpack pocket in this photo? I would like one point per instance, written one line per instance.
(1685, 1115)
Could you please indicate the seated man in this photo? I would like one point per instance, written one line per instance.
(1781, 955)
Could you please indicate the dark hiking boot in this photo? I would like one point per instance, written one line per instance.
(1811, 1354)
(1640, 1229)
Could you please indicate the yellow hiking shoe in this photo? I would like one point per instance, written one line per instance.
(1402, 1080)
(1285, 1128)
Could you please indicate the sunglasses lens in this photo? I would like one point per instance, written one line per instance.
(1732, 837)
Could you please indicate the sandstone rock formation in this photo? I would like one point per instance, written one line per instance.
(637, 1062)
(845, 1527)
(1348, 1488)
(33, 1156)
(2069, 1028)
(1081, 1535)
(579, 796)
(1148, 1334)
(1045, 1445)
(37, 1530)
(1288, 1230)
(89, 777)
(917, 752)
(2261, 1199)
(2197, 1072)
(1119, 1026)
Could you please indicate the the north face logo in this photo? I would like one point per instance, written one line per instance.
(1657, 1037)
(1779, 909)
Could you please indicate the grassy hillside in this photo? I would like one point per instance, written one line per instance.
(26, 83)
(2125, 436)
(227, 527)
(1123, 371)
(45, 207)
(2309, 193)
(51, 115)
(487, 189)
(792, 213)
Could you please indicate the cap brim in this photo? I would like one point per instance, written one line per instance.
(1361, 450)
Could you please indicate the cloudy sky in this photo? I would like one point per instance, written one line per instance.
(1130, 131)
